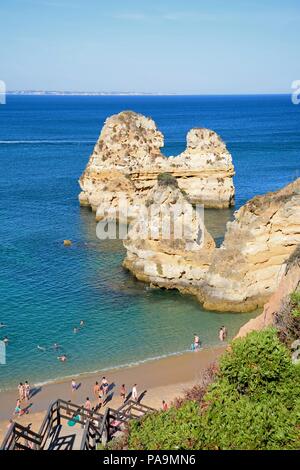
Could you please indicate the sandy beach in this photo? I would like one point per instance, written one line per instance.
(162, 379)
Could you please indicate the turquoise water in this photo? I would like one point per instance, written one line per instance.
(46, 289)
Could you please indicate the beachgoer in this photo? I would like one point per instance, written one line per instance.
(88, 404)
(18, 409)
(62, 358)
(5, 340)
(41, 348)
(81, 323)
(2, 325)
(224, 332)
(164, 406)
(196, 342)
(134, 393)
(56, 346)
(73, 386)
(96, 390)
(75, 329)
(221, 334)
(27, 390)
(21, 391)
(104, 385)
(123, 392)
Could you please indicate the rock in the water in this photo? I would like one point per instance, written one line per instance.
(127, 160)
(67, 242)
(168, 245)
(247, 268)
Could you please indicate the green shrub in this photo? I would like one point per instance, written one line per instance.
(166, 179)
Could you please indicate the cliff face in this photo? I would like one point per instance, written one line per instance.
(168, 245)
(247, 268)
(127, 160)
(289, 283)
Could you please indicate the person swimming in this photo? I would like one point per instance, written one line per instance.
(81, 323)
(56, 346)
(2, 325)
(41, 348)
(5, 340)
(75, 329)
(62, 358)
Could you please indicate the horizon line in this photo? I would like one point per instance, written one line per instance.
(133, 93)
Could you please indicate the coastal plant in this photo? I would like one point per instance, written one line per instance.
(166, 179)
(287, 319)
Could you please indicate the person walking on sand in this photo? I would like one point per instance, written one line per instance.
(134, 393)
(21, 391)
(73, 386)
(123, 392)
(104, 385)
(164, 406)
(27, 390)
(88, 404)
(96, 390)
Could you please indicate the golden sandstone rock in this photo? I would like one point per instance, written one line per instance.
(127, 159)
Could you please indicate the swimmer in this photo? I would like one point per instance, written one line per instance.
(62, 358)
(81, 323)
(5, 340)
(41, 348)
(56, 346)
(75, 330)
(2, 325)
(196, 342)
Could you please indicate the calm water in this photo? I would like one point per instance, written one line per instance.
(46, 289)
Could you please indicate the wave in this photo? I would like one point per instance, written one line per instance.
(30, 142)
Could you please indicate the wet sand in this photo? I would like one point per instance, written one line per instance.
(158, 380)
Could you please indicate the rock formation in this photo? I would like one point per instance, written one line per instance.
(247, 268)
(127, 159)
(239, 276)
(168, 245)
(289, 283)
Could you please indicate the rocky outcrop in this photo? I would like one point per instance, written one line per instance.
(247, 268)
(168, 245)
(239, 276)
(289, 283)
(127, 159)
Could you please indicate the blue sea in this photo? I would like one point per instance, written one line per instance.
(46, 289)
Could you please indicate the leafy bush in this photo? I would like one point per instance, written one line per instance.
(166, 179)
(253, 404)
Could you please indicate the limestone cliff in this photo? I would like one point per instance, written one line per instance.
(247, 268)
(168, 245)
(127, 159)
(289, 283)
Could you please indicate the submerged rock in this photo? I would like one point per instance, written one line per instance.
(127, 159)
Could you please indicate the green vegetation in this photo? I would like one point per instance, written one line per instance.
(295, 299)
(254, 403)
(166, 179)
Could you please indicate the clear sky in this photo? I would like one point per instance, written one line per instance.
(181, 46)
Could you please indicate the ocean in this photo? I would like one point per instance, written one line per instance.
(46, 288)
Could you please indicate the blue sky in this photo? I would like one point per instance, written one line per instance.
(181, 46)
